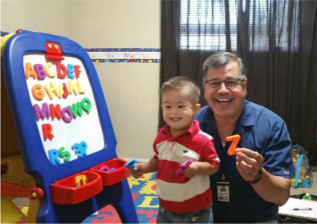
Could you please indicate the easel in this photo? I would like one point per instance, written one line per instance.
(68, 171)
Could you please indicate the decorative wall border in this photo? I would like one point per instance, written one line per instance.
(121, 55)
(133, 55)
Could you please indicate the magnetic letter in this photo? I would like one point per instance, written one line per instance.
(71, 86)
(65, 94)
(80, 149)
(84, 106)
(41, 113)
(53, 154)
(47, 70)
(235, 140)
(64, 154)
(77, 71)
(55, 111)
(41, 74)
(65, 111)
(70, 71)
(47, 129)
(61, 71)
(37, 92)
(50, 91)
(29, 71)
(76, 108)
(62, 91)
(80, 90)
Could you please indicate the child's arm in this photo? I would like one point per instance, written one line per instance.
(142, 168)
(199, 168)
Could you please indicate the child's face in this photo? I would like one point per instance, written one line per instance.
(178, 110)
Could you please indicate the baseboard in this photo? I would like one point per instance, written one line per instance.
(137, 160)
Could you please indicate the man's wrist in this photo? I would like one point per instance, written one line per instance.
(257, 177)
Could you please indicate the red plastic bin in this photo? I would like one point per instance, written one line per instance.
(66, 192)
(115, 176)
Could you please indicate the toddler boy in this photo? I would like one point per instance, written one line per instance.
(185, 197)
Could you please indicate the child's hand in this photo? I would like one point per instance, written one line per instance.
(191, 170)
(137, 171)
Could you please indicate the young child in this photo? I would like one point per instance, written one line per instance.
(184, 197)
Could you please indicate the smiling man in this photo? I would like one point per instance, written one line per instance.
(257, 178)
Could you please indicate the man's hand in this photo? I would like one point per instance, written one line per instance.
(275, 189)
(248, 163)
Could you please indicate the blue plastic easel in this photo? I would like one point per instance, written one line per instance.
(64, 128)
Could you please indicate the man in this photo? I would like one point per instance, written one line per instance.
(257, 178)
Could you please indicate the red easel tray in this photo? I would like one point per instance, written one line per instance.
(119, 173)
(76, 188)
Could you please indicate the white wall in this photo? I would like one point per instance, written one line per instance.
(131, 89)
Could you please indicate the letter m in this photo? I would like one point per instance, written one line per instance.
(41, 113)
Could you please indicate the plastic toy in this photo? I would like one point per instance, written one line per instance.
(16, 190)
(305, 183)
(235, 140)
(16, 183)
(307, 196)
(80, 180)
(183, 166)
(104, 168)
(109, 178)
(302, 174)
(130, 164)
(64, 129)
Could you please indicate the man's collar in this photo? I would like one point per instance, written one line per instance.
(247, 115)
(246, 118)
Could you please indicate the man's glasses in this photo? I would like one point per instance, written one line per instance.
(229, 83)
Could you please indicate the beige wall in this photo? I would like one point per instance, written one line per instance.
(40, 16)
(131, 89)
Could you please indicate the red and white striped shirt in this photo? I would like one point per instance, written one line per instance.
(178, 193)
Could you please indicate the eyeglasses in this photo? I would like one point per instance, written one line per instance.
(229, 83)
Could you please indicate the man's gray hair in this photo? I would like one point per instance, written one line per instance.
(219, 59)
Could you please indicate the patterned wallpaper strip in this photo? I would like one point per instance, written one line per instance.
(124, 49)
(140, 55)
(121, 55)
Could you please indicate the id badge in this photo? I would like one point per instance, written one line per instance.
(223, 192)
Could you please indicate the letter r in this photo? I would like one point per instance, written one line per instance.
(47, 129)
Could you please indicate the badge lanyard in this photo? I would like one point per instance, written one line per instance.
(223, 186)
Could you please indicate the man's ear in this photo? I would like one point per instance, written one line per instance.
(245, 86)
(196, 108)
(204, 86)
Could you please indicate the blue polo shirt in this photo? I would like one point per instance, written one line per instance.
(262, 131)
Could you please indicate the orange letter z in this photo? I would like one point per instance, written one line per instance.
(235, 140)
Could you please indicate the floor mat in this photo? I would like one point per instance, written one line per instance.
(143, 192)
(145, 200)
